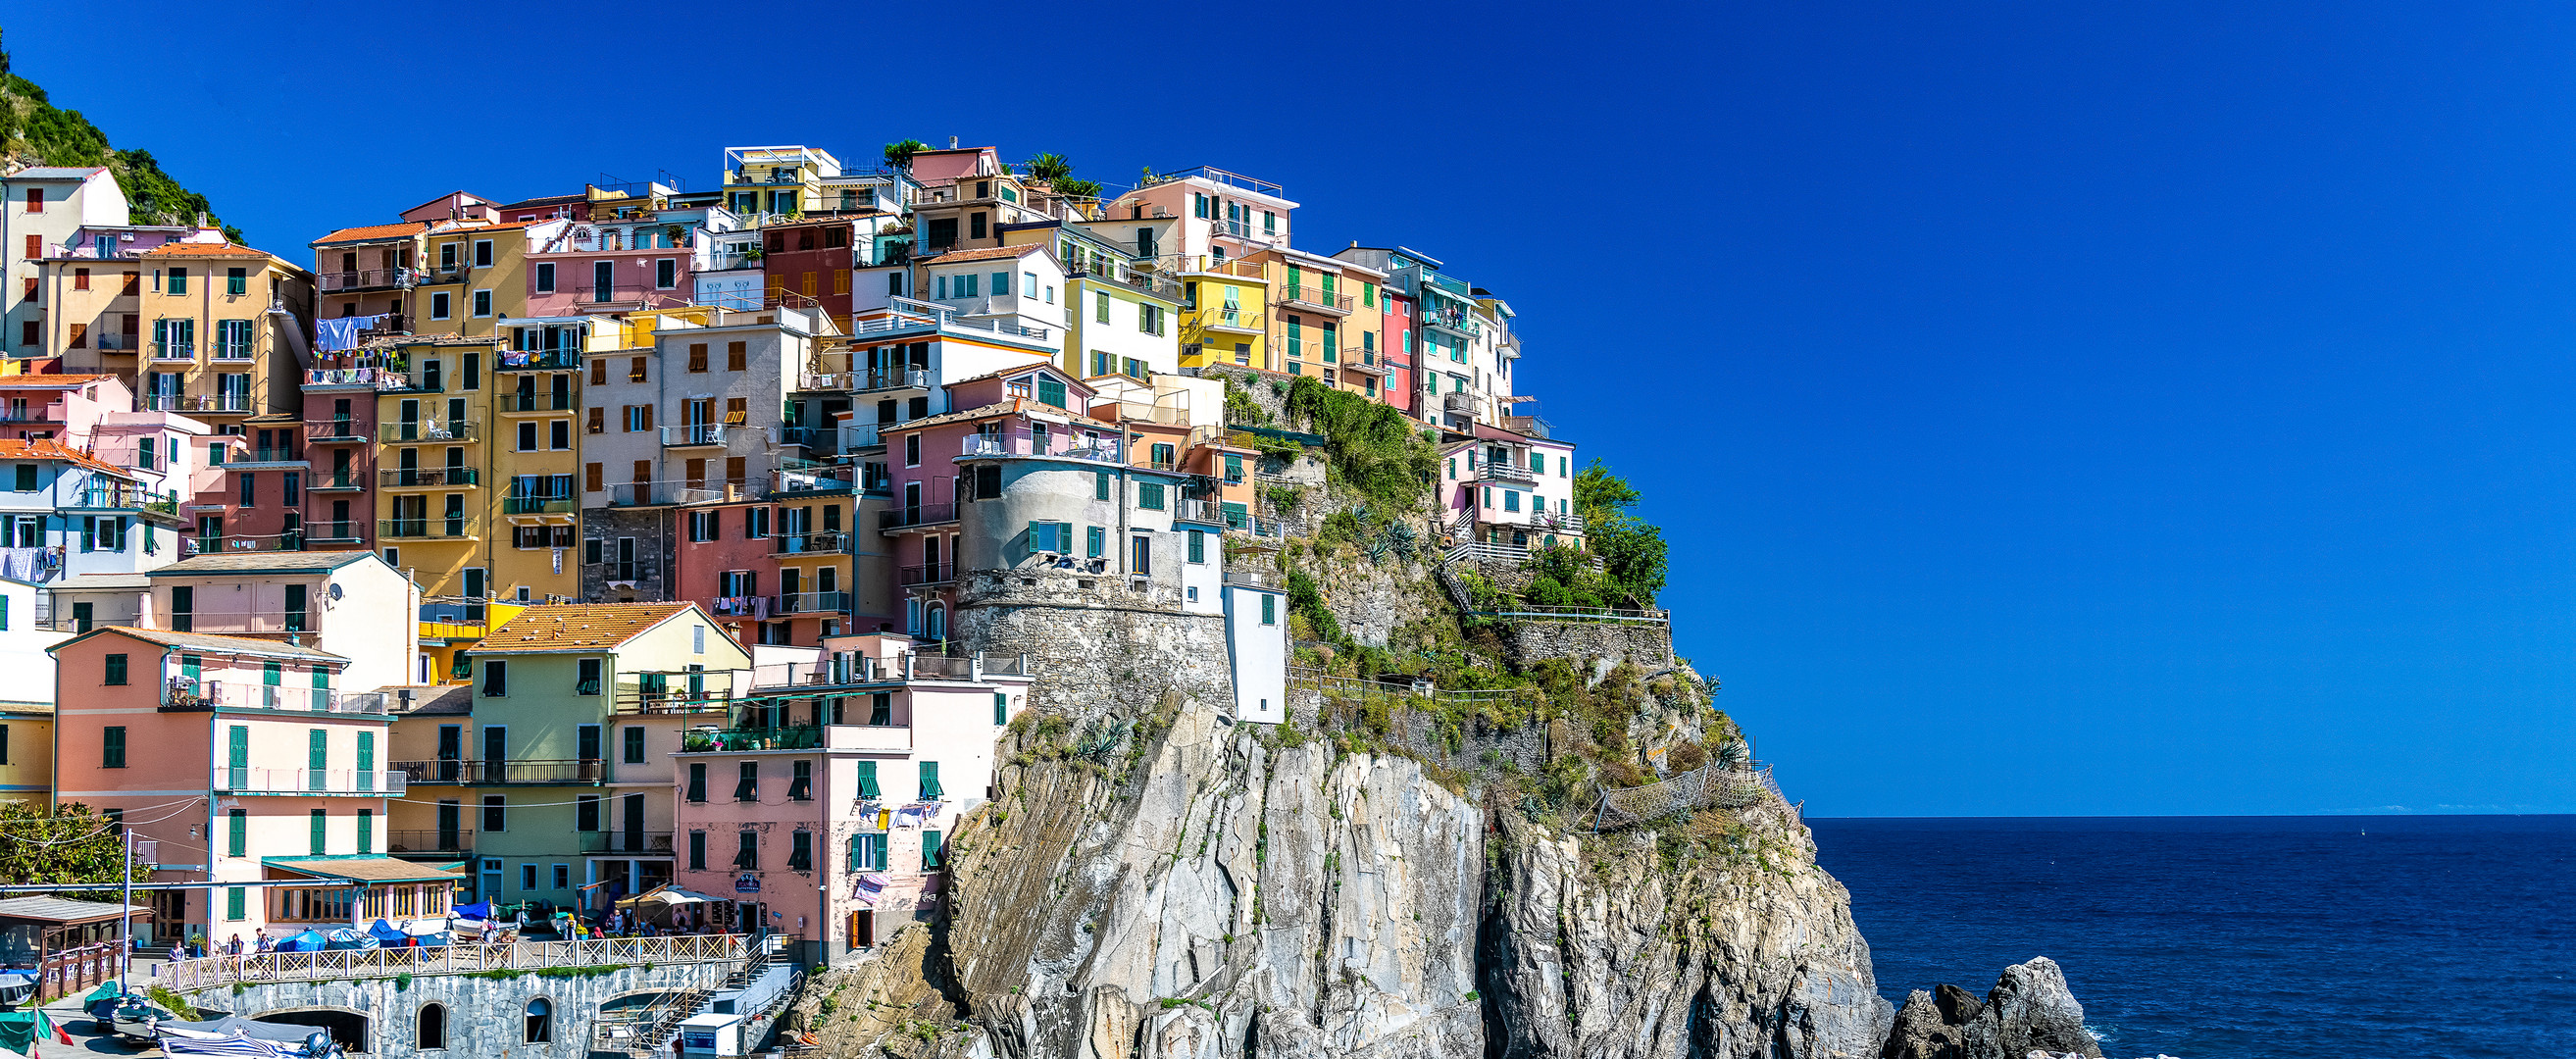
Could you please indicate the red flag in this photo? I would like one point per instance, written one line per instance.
(45, 1026)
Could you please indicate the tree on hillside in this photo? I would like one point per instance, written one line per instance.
(70, 844)
(1057, 171)
(1632, 550)
(899, 155)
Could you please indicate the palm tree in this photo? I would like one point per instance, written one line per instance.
(899, 155)
(1050, 167)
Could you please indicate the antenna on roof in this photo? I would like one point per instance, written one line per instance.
(952, 143)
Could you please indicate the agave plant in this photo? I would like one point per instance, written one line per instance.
(1733, 755)
(1100, 739)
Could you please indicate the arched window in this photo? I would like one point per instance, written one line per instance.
(938, 627)
(541, 1022)
(433, 1026)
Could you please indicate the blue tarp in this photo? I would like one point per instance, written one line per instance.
(385, 932)
(345, 938)
(477, 910)
(309, 941)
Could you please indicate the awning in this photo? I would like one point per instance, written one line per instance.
(66, 910)
(368, 871)
(665, 895)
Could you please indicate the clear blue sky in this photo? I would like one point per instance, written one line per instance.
(2053, 408)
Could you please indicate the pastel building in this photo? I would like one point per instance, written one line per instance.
(350, 604)
(536, 778)
(1224, 215)
(244, 759)
(92, 287)
(65, 513)
(41, 207)
(820, 806)
(27, 708)
(1509, 490)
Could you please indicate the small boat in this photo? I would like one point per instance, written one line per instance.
(127, 1015)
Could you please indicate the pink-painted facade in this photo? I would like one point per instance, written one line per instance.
(245, 762)
(1510, 490)
(828, 819)
(1403, 386)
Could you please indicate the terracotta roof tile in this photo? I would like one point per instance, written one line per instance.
(48, 382)
(989, 253)
(205, 250)
(50, 449)
(576, 627)
(372, 231)
(206, 641)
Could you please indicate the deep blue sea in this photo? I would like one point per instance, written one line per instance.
(2240, 937)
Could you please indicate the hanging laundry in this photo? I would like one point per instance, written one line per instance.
(341, 332)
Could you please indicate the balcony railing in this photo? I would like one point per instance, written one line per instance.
(308, 781)
(1245, 320)
(809, 477)
(693, 434)
(122, 497)
(1253, 577)
(833, 542)
(364, 279)
(1461, 403)
(189, 692)
(91, 252)
(539, 360)
(812, 603)
(234, 621)
(429, 841)
(656, 494)
(264, 454)
(378, 378)
(333, 432)
(478, 770)
(538, 505)
(166, 349)
(926, 574)
(1316, 298)
(648, 842)
(431, 529)
(432, 430)
(895, 518)
(349, 965)
(337, 483)
(1505, 471)
(736, 740)
(890, 379)
(1455, 323)
(116, 343)
(429, 477)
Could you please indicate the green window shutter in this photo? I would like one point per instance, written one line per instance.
(236, 903)
(930, 781)
(366, 830)
(868, 779)
(1198, 546)
(237, 833)
(112, 747)
(930, 851)
(320, 824)
(1100, 485)
(1051, 391)
(272, 674)
(366, 750)
(317, 748)
(1001, 708)
(1269, 609)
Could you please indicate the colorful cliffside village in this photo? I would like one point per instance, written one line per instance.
(628, 541)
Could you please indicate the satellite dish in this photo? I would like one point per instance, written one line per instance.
(336, 591)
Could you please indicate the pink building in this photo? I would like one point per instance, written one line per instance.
(1509, 491)
(822, 809)
(246, 763)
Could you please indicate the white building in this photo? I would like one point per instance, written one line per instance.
(45, 205)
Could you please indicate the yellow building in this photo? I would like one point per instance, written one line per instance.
(1325, 318)
(27, 752)
(478, 455)
(214, 330)
(474, 275)
(1225, 315)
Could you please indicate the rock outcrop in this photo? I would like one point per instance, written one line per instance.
(2030, 1011)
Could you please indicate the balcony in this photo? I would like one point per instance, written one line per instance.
(116, 343)
(890, 379)
(1197, 511)
(1505, 471)
(92, 252)
(1233, 321)
(1254, 578)
(381, 379)
(333, 432)
(429, 478)
(265, 456)
(478, 771)
(181, 402)
(1023, 443)
(1456, 323)
(1107, 272)
(106, 495)
(811, 603)
(309, 781)
(805, 476)
(650, 843)
(428, 842)
(926, 574)
(510, 403)
(1363, 360)
(539, 360)
(165, 349)
(194, 694)
(366, 279)
(659, 494)
(538, 505)
(614, 296)
(1458, 403)
(337, 483)
(829, 543)
(335, 534)
(1314, 300)
(915, 516)
(739, 740)
(413, 433)
(427, 529)
(695, 435)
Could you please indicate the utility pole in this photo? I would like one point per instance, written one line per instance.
(125, 916)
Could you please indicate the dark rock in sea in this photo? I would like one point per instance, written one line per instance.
(2030, 1010)
(1959, 1007)
(1921, 1030)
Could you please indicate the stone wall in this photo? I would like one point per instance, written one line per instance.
(486, 1017)
(1095, 647)
(1648, 645)
(653, 530)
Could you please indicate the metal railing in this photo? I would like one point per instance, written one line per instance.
(926, 574)
(197, 402)
(1232, 319)
(890, 379)
(623, 841)
(193, 693)
(1317, 297)
(401, 477)
(538, 505)
(697, 434)
(364, 279)
(830, 542)
(1455, 323)
(119, 496)
(343, 965)
(336, 483)
(433, 430)
(538, 360)
(333, 432)
(309, 781)
(479, 770)
(1506, 471)
(536, 402)
(811, 603)
(655, 494)
(378, 378)
(1254, 578)
(429, 840)
(895, 518)
(440, 528)
(235, 621)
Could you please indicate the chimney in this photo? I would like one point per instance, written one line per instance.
(952, 143)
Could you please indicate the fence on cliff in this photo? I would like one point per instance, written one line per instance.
(1708, 787)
